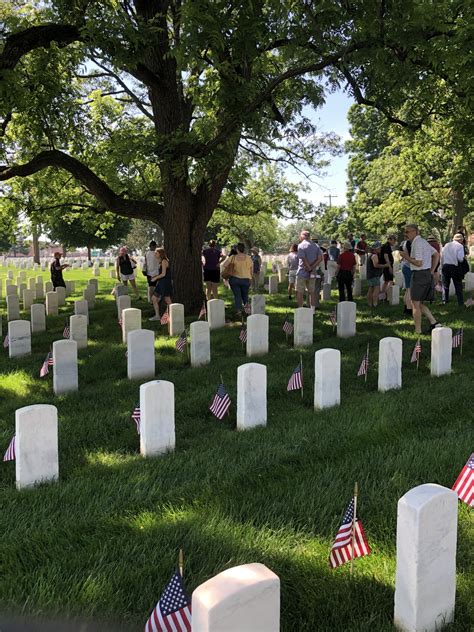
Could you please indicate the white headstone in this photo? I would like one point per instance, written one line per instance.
(39, 290)
(357, 290)
(65, 376)
(326, 292)
(111, 274)
(425, 583)
(51, 304)
(176, 322)
(327, 378)
(13, 307)
(157, 433)
(123, 302)
(68, 288)
(38, 318)
(257, 303)
(346, 319)
(251, 395)
(36, 445)
(120, 290)
(303, 327)
(282, 272)
(241, 599)
(78, 330)
(48, 287)
(441, 351)
(81, 308)
(215, 314)
(89, 295)
(273, 284)
(11, 290)
(393, 294)
(19, 336)
(140, 354)
(390, 363)
(200, 347)
(399, 279)
(61, 292)
(257, 335)
(31, 283)
(469, 281)
(131, 320)
(28, 297)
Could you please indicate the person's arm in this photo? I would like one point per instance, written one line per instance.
(117, 268)
(416, 262)
(65, 265)
(387, 261)
(376, 262)
(434, 260)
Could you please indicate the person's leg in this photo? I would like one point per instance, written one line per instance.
(244, 289)
(299, 291)
(370, 293)
(375, 295)
(155, 299)
(234, 286)
(426, 312)
(457, 280)
(135, 289)
(208, 291)
(417, 315)
(446, 276)
(340, 287)
(348, 283)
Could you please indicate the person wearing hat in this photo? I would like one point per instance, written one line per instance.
(125, 269)
(452, 257)
(256, 267)
(346, 265)
(374, 272)
(56, 270)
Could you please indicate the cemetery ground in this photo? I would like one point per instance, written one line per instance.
(103, 542)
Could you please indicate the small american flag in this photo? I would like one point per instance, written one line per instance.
(182, 342)
(120, 323)
(46, 364)
(464, 485)
(333, 318)
(248, 309)
(221, 402)
(266, 287)
(173, 611)
(416, 351)
(165, 319)
(243, 335)
(469, 302)
(136, 416)
(296, 380)
(364, 365)
(66, 331)
(6, 342)
(457, 338)
(287, 326)
(203, 312)
(227, 284)
(10, 454)
(341, 551)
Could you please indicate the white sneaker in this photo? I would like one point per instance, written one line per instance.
(154, 318)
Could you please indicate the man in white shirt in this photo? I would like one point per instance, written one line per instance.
(451, 256)
(423, 259)
(151, 268)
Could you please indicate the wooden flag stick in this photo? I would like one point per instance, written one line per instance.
(367, 369)
(301, 365)
(354, 518)
(462, 336)
(418, 356)
(181, 562)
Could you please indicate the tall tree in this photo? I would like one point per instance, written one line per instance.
(147, 103)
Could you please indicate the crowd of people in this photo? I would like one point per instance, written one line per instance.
(426, 266)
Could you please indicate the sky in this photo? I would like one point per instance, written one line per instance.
(332, 117)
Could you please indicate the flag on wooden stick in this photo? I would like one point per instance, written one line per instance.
(10, 454)
(415, 356)
(243, 334)
(48, 361)
(464, 485)
(165, 318)
(364, 365)
(136, 416)
(172, 613)
(248, 309)
(203, 312)
(296, 380)
(350, 541)
(221, 402)
(287, 326)
(182, 342)
(66, 331)
(457, 338)
(6, 342)
(333, 318)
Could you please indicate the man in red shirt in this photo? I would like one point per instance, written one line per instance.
(346, 265)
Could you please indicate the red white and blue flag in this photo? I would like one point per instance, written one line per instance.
(6, 342)
(464, 485)
(46, 364)
(350, 541)
(243, 335)
(221, 402)
(333, 318)
(287, 326)
(248, 309)
(182, 342)
(173, 611)
(296, 380)
(457, 338)
(10, 454)
(416, 351)
(364, 365)
(136, 416)
(66, 331)
(203, 312)
(165, 319)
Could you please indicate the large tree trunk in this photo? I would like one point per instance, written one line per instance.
(35, 243)
(459, 208)
(89, 253)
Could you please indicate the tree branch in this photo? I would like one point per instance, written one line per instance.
(140, 209)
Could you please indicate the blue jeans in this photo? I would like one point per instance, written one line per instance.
(240, 288)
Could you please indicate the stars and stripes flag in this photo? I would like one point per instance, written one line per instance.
(464, 485)
(248, 309)
(182, 342)
(165, 319)
(136, 416)
(6, 342)
(341, 551)
(416, 351)
(333, 318)
(457, 338)
(48, 361)
(221, 402)
(243, 335)
(10, 454)
(66, 331)
(364, 365)
(469, 302)
(173, 611)
(296, 380)
(287, 326)
(203, 312)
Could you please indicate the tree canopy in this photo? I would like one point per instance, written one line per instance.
(148, 103)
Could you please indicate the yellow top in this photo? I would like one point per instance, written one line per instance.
(242, 266)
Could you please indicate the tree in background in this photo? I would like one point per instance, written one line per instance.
(141, 233)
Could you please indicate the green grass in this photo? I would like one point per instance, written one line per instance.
(103, 542)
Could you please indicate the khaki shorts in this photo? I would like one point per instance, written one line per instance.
(305, 284)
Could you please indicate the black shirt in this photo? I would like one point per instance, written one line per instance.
(386, 250)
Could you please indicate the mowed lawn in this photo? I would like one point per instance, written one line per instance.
(103, 542)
